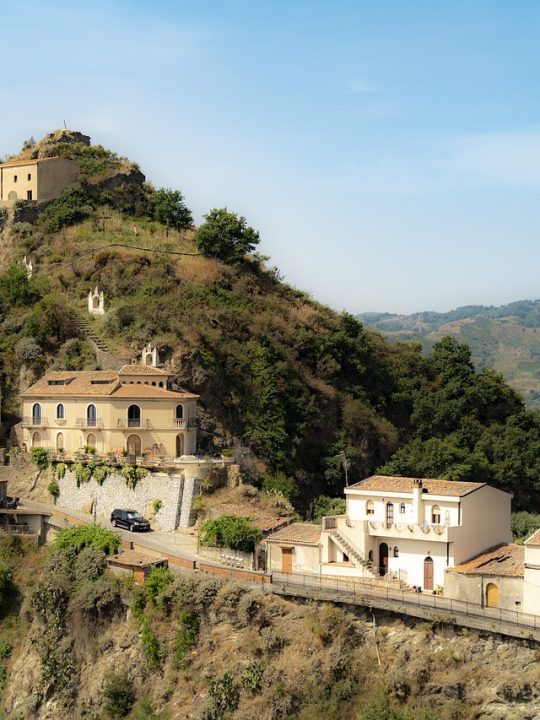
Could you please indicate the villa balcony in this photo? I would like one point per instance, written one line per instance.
(183, 423)
(36, 421)
(89, 423)
(134, 423)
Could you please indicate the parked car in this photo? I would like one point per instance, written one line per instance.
(129, 519)
(9, 502)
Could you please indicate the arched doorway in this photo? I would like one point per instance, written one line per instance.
(149, 360)
(91, 416)
(492, 595)
(91, 441)
(60, 441)
(36, 440)
(428, 573)
(383, 559)
(133, 447)
(95, 302)
(179, 445)
(134, 416)
(389, 514)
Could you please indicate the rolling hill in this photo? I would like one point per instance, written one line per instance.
(506, 338)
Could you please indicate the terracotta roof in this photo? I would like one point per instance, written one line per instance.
(301, 533)
(534, 539)
(149, 391)
(96, 383)
(405, 485)
(142, 370)
(505, 561)
(14, 163)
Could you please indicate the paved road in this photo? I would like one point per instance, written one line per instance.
(182, 543)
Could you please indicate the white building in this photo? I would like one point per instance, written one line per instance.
(531, 575)
(412, 530)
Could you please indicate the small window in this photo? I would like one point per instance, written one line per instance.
(402, 509)
(29, 176)
(59, 411)
(15, 178)
(370, 508)
(396, 552)
(436, 515)
(370, 556)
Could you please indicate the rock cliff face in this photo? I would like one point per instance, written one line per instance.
(195, 647)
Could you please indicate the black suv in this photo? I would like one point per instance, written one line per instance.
(129, 519)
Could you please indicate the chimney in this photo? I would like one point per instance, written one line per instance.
(417, 503)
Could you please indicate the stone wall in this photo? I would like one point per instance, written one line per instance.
(114, 493)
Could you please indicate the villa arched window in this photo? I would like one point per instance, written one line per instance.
(179, 412)
(91, 416)
(370, 507)
(402, 509)
(60, 411)
(36, 414)
(436, 515)
(134, 416)
(396, 551)
(60, 442)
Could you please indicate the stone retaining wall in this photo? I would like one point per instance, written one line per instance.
(114, 493)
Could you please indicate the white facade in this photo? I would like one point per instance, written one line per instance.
(412, 530)
(531, 575)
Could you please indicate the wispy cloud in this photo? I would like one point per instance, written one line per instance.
(360, 87)
(495, 161)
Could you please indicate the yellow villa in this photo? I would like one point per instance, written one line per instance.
(133, 410)
(36, 180)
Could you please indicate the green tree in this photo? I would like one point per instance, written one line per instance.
(171, 210)
(230, 531)
(226, 236)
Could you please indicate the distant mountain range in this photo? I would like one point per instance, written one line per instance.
(506, 337)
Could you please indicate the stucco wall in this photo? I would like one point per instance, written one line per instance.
(531, 581)
(114, 493)
(305, 558)
(54, 176)
(158, 424)
(485, 522)
(472, 588)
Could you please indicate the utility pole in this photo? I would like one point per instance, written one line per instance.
(346, 464)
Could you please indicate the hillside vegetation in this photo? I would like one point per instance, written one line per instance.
(196, 647)
(506, 338)
(299, 385)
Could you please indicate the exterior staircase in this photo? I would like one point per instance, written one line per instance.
(354, 555)
(83, 326)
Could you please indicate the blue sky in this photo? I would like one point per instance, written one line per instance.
(388, 152)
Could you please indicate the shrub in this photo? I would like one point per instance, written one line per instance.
(252, 677)
(71, 207)
(133, 475)
(186, 637)
(156, 583)
(157, 505)
(28, 350)
(40, 458)
(83, 473)
(119, 695)
(324, 505)
(59, 470)
(280, 484)
(101, 473)
(78, 538)
(5, 649)
(170, 209)
(230, 531)
(224, 695)
(54, 489)
(76, 354)
(150, 643)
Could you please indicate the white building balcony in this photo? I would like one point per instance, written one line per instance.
(183, 423)
(406, 530)
(95, 423)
